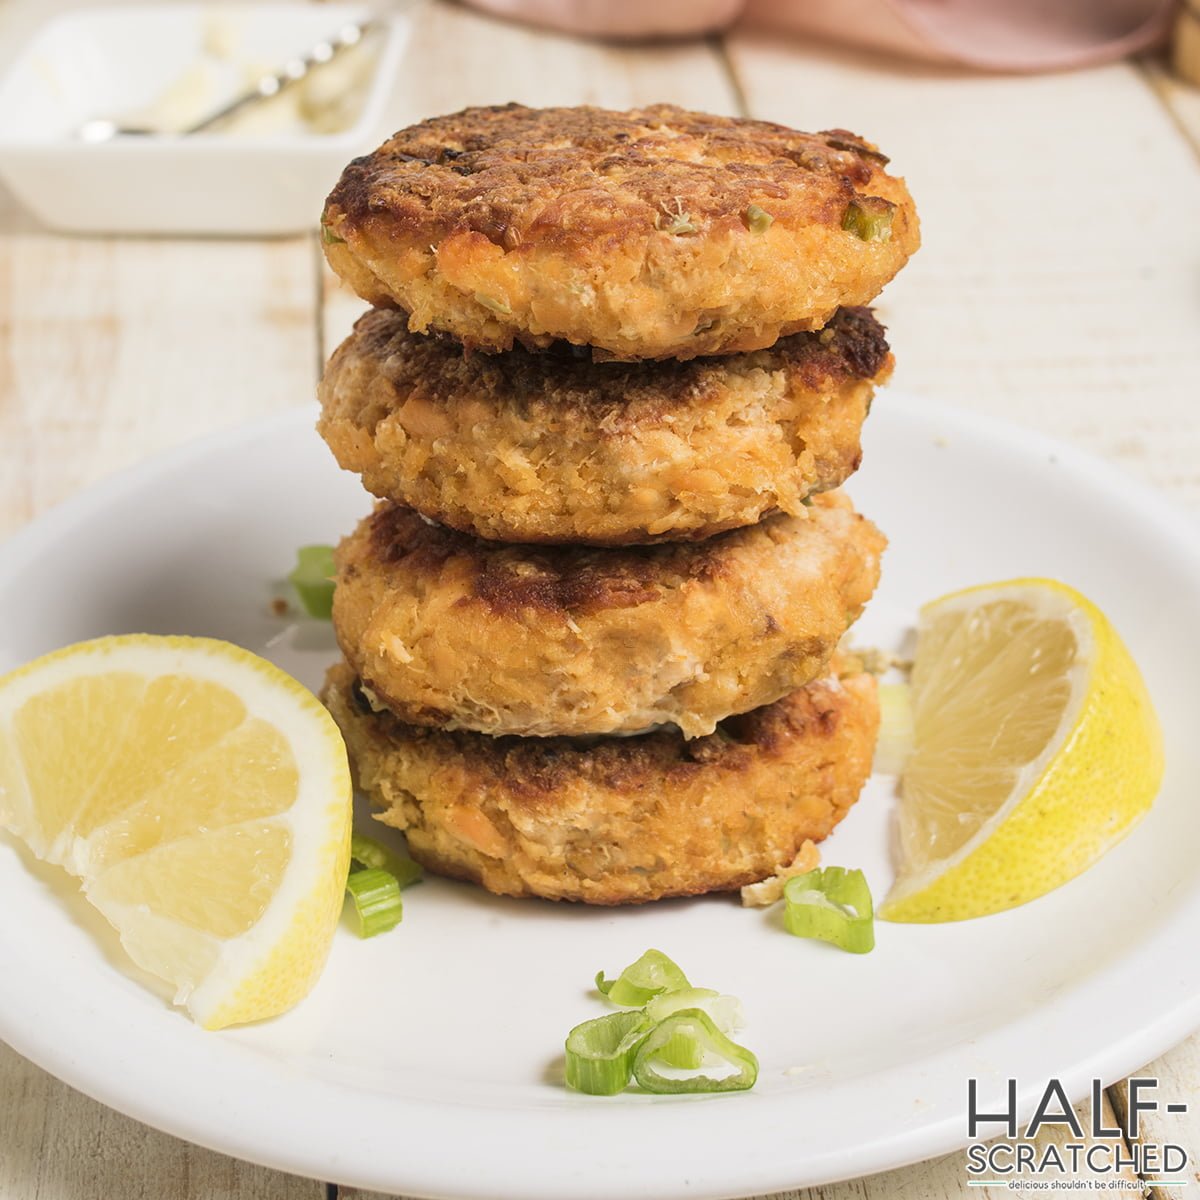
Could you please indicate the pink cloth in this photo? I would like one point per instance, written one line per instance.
(1003, 35)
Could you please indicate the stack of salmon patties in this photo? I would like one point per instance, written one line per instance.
(615, 373)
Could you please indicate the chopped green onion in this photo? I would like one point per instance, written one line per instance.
(684, 1051)
(897, 729)
(676, 221)
(832, 904)
(377, 903)
(869, 217)
(758, 220)
(497, 306)
(726, 1011)
(688, 1033)
(681, 1051)
(312, 577)
(600, 1052)
(370, 853)
(681, 1028)
(652, 974)
(329, 237)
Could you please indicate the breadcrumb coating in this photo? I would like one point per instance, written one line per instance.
(655, 233)
(550, 447)
(617, 820)
(459, 633)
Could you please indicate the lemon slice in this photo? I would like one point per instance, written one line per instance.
(1036, 749)
(203, 798)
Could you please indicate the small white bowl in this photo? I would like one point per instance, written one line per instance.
(106, 62)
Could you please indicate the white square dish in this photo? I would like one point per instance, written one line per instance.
(106, 62)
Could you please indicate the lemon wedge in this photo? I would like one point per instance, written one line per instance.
(203, 798)
(1036, 748)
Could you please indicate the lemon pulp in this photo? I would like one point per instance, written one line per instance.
(1036, 748)
(203, 798)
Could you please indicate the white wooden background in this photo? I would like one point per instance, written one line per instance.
(1059, 287)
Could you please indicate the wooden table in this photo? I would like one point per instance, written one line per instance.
(1059, 287)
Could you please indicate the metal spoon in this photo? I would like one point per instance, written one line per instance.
(102, 129)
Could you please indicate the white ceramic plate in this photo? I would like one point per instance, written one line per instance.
(427, 1061)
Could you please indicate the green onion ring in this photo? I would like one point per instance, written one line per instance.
(370, 853)
(377, 903)
(312, 577)
(600, 1052)
(832, 904)
(652, 975)
(680, 1036)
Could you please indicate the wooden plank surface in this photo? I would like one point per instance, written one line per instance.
(939, 1179)
(1056, 286)
(57, 1144)
(1178, 1075)
(113, 349)
(1181, 99)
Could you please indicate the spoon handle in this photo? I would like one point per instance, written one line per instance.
(290, 73)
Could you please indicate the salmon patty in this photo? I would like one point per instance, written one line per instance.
(656, 233)
(548, 447)
(451, 631)
(617, 820)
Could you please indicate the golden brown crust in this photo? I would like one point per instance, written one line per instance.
(551, 447)
(636, 233)
(617, 820)
(452, 631)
